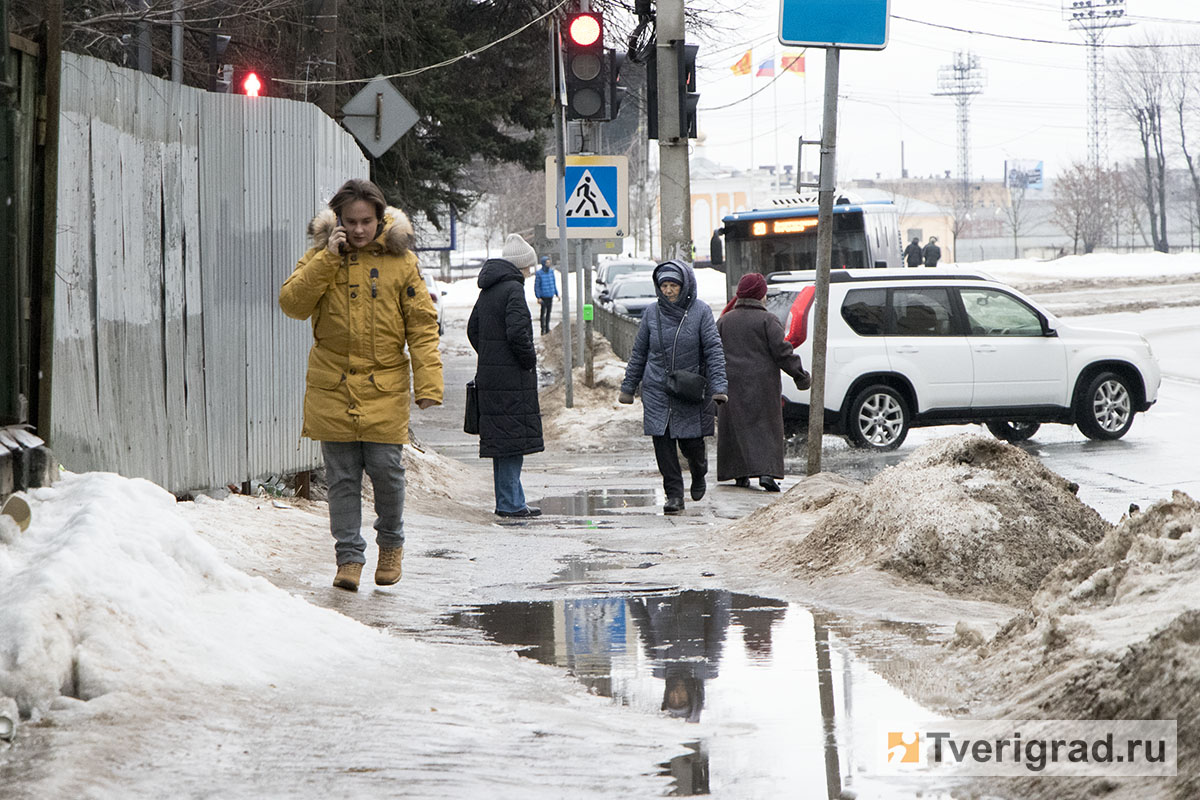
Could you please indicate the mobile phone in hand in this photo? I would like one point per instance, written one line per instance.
(341, 245)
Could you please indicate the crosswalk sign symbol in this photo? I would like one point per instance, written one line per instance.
(595, 191)
(588, 203)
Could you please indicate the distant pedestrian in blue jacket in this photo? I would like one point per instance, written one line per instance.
(545, 290)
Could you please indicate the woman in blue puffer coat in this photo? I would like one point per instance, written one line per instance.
(680, 334)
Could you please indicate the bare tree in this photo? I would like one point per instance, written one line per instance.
(1142, 77)
(1086, 204)
(1185, 103)
(1017, 215)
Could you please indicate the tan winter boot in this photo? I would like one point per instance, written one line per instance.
(388, 570)
(347, 576)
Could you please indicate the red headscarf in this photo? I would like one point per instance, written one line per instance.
(752, 286)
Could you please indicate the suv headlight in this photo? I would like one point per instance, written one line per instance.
(621, 308)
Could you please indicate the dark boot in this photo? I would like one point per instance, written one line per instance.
(698, 486)
(674, 505)
(768, 483)
(742, 483)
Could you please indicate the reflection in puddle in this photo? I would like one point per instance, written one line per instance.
(785, 704)
(591, 502)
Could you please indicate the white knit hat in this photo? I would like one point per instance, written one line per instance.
(518, 252)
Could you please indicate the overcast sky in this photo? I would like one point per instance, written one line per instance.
(1034, 104)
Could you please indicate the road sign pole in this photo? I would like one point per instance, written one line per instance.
(816, 397)
(556, 70)
(675, 194)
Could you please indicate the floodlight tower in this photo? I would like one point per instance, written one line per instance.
(962, 80)
(1094, 18)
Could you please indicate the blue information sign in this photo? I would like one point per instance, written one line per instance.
(591, 196)
(850, 24)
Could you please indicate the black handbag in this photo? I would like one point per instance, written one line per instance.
(682, 384)
(471, 417)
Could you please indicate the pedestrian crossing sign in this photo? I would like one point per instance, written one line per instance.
(597, 197)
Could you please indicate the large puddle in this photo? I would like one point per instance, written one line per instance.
(786, 708)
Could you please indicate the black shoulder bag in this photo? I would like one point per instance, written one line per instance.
(681, 383)
(471, 418)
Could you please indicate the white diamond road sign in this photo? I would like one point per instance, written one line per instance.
(378, 116)
(597, 192)
(848, 24)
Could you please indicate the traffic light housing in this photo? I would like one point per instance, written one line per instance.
(616, 88)
(587, 67)
(689, 98)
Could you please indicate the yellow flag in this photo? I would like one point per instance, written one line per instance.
(793, 63)
(742, 67)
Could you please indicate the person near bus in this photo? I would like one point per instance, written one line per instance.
(913, 256)
(750, 426)
(372, 320)
(677, 335)
(545, 289)
(932, 252)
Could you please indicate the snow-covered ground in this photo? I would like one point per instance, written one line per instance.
(195, 649)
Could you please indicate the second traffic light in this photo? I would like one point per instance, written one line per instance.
(585, 64)
(686, 96)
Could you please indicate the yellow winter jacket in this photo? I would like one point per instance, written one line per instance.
(366, 306)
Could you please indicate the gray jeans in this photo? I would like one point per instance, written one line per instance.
(344, 465)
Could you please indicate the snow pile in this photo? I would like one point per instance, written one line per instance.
(1115, 633)
(596, 421)
(109, 590)
(1043, 274)
(969, 515)
(441, 486)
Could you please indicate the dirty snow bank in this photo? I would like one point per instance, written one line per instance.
(596, 421)
(1114, 634)
(197, 676)
(109, 590)
(970, 515)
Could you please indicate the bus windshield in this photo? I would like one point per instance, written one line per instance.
(799, 251)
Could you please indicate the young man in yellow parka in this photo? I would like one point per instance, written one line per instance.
(360, 285)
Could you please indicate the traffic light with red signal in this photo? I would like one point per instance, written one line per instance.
(585, 64)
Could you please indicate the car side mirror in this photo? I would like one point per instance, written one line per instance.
(444, 293)
(1047, 330)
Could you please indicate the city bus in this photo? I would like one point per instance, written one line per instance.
(783, 238)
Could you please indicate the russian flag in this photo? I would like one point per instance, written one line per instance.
(766, 69)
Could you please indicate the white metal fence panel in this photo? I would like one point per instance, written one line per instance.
(181, 212)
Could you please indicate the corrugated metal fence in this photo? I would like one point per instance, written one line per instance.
(181, 212)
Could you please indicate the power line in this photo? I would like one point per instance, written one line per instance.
(1163, 45)
(419, 70)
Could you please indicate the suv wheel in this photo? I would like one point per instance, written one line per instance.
(878, 419)
(1105, 409)
(1013, 431)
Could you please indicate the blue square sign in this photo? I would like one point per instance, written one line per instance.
(850, 24)
(591, 196)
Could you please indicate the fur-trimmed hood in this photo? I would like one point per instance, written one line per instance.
(397, 237)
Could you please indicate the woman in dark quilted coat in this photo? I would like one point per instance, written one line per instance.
(750, 436)
(501, 331)
(677, 333)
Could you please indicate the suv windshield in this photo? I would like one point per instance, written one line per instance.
(634, 287)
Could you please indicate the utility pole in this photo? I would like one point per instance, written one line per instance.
(1094, 18)
(674, 182)
(322, 53)
(825, 191)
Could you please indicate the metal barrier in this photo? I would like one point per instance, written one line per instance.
(620, 330)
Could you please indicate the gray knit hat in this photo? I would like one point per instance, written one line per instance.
(667, 271)
(518, 252)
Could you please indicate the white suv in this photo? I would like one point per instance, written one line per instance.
(950, 346)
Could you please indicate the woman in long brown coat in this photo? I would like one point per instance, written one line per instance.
(750, 425)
